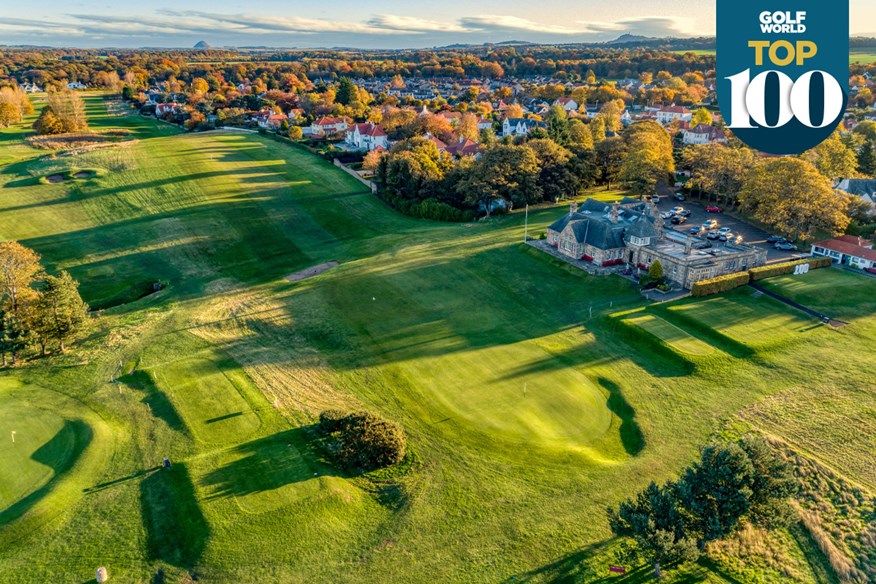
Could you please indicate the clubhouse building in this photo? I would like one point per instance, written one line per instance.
(630, 232)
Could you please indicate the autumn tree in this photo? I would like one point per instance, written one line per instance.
(718, 170)
(19, 269)
(833, 158)
(701, 116)
(69, 108)
(790, 195)
(468, 127)
(648, 161)
(514, 110)
(48, 123)
(506, 172)
(580, 135)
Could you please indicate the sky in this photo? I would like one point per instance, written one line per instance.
(365, 24)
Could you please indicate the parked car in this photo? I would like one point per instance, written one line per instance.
(695, 230)
(684, 213)
(724, 231)
(677, 209)
(679, 220)
(678, 196)
(775, 239)
(710, 224)
(870, 270)
(667, 215)
(714, 209)
(712, 235)
(726, 236)
(785, 246)
(654, 199)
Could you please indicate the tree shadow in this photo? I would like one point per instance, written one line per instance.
(76, 430)
(176, 529)
(264, 464)
(631, 434)
(160, 406)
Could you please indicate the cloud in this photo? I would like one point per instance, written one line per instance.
(167, 26)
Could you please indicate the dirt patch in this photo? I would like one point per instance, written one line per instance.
(310, 272)
(56, 178)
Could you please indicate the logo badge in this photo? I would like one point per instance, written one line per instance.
(782, 70)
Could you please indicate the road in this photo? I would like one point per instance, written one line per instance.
(750, 234)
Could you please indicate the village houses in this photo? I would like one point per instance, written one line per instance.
(366, 136)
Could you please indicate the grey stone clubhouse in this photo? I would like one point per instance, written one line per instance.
(630, 232)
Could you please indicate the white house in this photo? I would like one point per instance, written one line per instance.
(484, 124)
(704, 134)
(667, 115)
(270, 120)
(520, 126)
(849, 250)
(326, 126)
(75, 85)
(166, 108)
(367, 136)
(567, 103)
(31, 88)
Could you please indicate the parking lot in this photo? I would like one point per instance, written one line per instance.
(750, 234)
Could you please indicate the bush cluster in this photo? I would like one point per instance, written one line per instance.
(427, 209)
(787, 268)
(719, 284)
(362, 440)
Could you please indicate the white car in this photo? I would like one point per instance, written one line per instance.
(667, 215)
(724, 231)
(676, 209)
(710, 224)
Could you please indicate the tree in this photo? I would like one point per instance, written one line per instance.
(719, 170)
(506, 172)
(558, 125)
(347, 93)
(649, 158)
(62, 314)
(867, 129)
(468, 127)
(19, 269)
(867, 158)
(9, 114)
(597, 129)
(295, 132)
(372, 160)
(655, 521)
(655, 272)
(70, 110)
(556, 179)
(48, 123)
(579, 134)
(790, 195)
(772, 485)
(364, 440)
(832, 158)
(701, 116)
(610, 155)
(717, 490)
(611, 113)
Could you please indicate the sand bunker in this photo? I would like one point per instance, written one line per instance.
(310, 272)
(56, 178)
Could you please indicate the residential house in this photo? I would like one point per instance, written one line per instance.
(75, 85)
(848, 250)
(704, 134)
(31, 88)
(864, 188)
(484, 124)
(667, 115)
(328, 126)
(630, 232)
(464, 147)
(270, 120)
(520, 126)
(170, 107)
(367, 136)
(567, 103)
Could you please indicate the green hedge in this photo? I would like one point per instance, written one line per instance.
(719, 284)
(787, 268)
(427, 209)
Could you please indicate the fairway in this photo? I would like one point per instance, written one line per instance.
(668, 332)
(527, 412)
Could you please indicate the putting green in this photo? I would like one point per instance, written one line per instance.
(209, 400)
(44, 442)
(675, 336)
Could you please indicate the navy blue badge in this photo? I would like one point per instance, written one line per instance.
(783, 70)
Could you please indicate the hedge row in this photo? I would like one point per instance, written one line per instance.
(719, 284)
(787, 268)
(427, 209)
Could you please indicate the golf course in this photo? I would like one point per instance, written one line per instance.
(532, 394)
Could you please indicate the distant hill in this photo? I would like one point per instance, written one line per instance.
(630, 38)
(202, 46)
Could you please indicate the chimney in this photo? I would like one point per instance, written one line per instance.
(573, 208)
(614, 211)
(688, 246)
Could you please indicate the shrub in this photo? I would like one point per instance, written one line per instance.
(331, 421)
(363, 440)
(787, 268)
(719, 284)
(655, 272)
